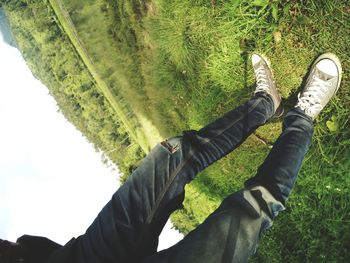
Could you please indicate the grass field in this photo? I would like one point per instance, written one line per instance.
(177, 65)
(69, 28)
(202, 52)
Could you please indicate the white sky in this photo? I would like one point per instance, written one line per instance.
(52, 182)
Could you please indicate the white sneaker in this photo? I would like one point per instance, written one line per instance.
(265, 82)
(321, 85)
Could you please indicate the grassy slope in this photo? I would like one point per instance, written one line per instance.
(181, 64)
(69, 28)
(54, 60)
(113, 64)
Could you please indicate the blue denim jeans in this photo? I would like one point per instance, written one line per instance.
(127, 228)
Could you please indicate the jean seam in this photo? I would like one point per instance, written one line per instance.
(176, 172)
(223, 130)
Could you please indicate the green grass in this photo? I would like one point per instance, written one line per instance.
(178, 65)
(204, 47)
(67, 24)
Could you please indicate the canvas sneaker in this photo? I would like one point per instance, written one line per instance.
(321, 85)
(265, 82)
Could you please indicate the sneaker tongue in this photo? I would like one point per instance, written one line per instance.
(325, 73)
(323, 76)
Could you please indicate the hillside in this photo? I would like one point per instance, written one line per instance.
(129, 73)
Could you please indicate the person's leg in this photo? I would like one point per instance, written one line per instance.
(232, 232)
(128, 227)
(279, 171)
(322, 84)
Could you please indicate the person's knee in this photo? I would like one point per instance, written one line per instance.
(266, 201)
(255, 201)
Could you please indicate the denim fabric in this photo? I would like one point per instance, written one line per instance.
(127, 228)
(279, 171)
(232, 232)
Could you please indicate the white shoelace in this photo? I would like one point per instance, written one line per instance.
(311, 100)
(261, 80)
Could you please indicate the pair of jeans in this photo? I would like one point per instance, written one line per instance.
(127, 228)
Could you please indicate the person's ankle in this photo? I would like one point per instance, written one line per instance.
(269, 104)
(297, 111)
